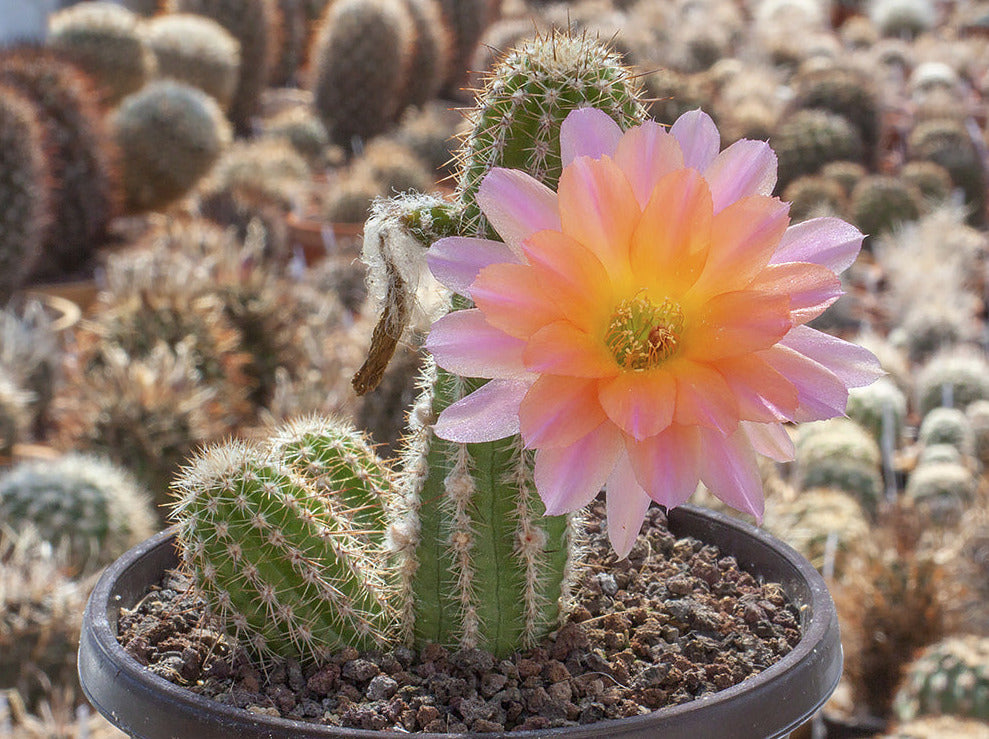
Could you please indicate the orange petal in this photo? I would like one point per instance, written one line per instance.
(646, 154)
(671, 241)
(598, 209)
(571, 276)
(763, 393)
(512, 299)
(743, 238)
(563, 349)
(704, 398)
(736, 323)
(640, 403)
(557, 411)
(810, 287)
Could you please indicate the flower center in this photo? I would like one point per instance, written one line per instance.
(643, 334)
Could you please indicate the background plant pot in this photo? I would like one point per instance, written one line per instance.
(767, 705)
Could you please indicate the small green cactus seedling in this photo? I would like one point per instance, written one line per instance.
(106, 41)
(24, 189)
(942, 491)
(287, 546)
(840, 454)
(197, 51)
(947, 426)
(879, 204)
(254, 24)
(809, 139)
(170, 135)
(352, 33)
(877, 406)
(954, 378)
(950, 678)
(87, 507)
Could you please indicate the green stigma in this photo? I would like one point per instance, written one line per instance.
(642, 334)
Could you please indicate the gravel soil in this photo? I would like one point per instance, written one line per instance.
(673, 622)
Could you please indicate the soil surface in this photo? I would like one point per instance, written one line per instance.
(673, 622)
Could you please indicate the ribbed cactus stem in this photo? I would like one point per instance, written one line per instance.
(278, 560)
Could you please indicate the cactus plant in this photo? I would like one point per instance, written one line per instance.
(877, 405)
(352, 32)
(169, 135)
(286, 544)
(254, 23)
(978, 416)
(303, 131)
(350, 200)
(942, 491)
(86, 190)
(846, 92)
(87, 508)
(394, 167)
(431, 52)
(105, 40)
(467, 21)
(24, 189)
(948, 678)
(840, 454)
(931, 179)
(947, 426)
(809, 139)
(846, 174)
(811, 196)
(959, 376)
(879, 204)
(197, 51)
(429, 133)
(949, 143)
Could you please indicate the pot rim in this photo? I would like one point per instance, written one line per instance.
(794, 688)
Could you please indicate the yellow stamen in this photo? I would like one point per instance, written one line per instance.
(642, 334)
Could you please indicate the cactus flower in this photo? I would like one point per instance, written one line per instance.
(643, 327)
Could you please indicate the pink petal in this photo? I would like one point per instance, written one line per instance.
(491, 412)
(561, 348)
(810, 287)
(744, 168)
(646, 154)
(517, 205)
(667, 466)
(558, 411)
(456, 260)
(588, 132)
(820, 392)
(730, 471)
(463, 342)
(854, 365)
(762, 393)
(699, 139)
(830, 242)
(640, 404)
(770, 440)
(704, 399)
(627, 504)
(568, 478)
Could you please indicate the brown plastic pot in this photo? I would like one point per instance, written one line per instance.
(770, 704)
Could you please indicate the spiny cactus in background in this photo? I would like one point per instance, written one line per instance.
(809, 139)
(811, 196)
(966, 558)
(352, 33)
(840, 454)
(349, 200)
(431, 52)
(105, 40)
(846, 92)
(949, 678)
(85, 194)
(930, 178)
(169, 135)
(466, 20)
(954, 378)
(266, 170)
(15, 415)
(87, 508)
(24, 189)
(947, 426)
(197, 51)
(942, 491)
(497, 40)
(147, 416)
(673, 93)
(902, 18)
(394, 167)
(950, 143)
(287, 544)
(978, 416)
(430, 134)
(878, 406)
(40, 617)
(845, 174)
(294, 26)
(254, 23)
(879, 204)
(810, 519)
(303, 131)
